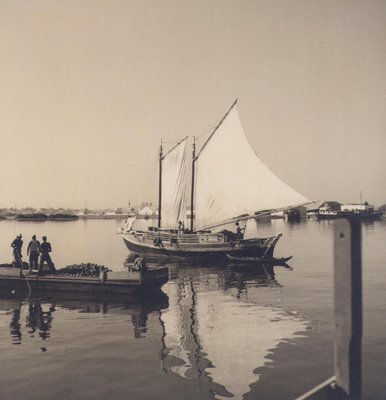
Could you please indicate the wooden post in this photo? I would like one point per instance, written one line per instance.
(192, 184)
(160, 185)
(348, 308)
(347, 382)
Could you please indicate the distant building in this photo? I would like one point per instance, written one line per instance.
(330, 206)
(357, 207)
(297, 213)
(147, 211)
(146, 204)
(329, 209)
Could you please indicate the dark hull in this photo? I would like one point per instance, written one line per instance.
(243, 248)
(256, 260)
(55, 283)
(332, 216)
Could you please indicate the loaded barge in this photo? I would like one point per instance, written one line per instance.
(109, 282)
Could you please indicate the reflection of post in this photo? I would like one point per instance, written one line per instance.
(163, 350)
(348, 307)
(139, 321)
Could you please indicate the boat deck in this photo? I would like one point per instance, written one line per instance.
(110, 281)
(196, 245)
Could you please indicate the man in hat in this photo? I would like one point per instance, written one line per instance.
(33, 251)
(239, 231)
(17, 244)
(45, 250)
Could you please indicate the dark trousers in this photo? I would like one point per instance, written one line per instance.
(45, 257)
(33, 259)
(17, 257)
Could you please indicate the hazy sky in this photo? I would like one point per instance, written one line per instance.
(88, 88)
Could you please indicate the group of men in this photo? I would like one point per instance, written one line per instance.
(33, 250)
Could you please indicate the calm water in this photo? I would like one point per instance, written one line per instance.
(210, 333)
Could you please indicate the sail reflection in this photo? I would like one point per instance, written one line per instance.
(218, 339)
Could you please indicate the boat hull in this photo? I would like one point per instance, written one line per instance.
(117, 283)
(257, 261)
(204, 247)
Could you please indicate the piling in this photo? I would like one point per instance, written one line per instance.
(346, 384)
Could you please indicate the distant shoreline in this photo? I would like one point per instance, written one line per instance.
(39, 217)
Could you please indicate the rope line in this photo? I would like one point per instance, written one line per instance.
(18, 259)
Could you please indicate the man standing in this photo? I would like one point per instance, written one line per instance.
(45, 250)
(239, 231)
(33, 251)
(181, 226)
(139, 264)
(17, 245)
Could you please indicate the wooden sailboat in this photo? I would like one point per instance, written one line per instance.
(228, 184)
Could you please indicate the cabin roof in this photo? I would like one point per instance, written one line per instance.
(331, 204)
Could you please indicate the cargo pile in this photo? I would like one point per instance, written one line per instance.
(88, 269)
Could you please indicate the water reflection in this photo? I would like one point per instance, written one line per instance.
(39, 320)
(229, 277)
(242, 277)
(15, 326)
(34, 315)
(209, 331)
(36, 319)
(365, 223)
(217, 338)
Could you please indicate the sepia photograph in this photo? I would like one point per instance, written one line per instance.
(193, 199)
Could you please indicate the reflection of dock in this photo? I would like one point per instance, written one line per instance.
(39, 310)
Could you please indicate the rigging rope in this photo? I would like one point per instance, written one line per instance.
(18, 259)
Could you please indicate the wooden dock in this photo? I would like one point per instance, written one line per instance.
(116, 282)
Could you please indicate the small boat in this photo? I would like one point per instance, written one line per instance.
(109, 282)
(256, 260)
(223, 183)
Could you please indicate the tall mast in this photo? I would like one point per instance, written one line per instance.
(160, 185)
(195, 157)
(192, 188)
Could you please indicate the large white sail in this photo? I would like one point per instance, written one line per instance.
(173, 186)
(231, 180)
